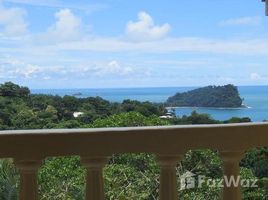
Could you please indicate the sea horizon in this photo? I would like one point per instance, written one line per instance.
(139, 87)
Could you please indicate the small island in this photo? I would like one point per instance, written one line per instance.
(77, 94)
(226, 96)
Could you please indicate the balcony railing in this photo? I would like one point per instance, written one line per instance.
(169, 143)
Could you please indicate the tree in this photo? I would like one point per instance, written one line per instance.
(10, 89)
(130, 119)
(62, 179)
(238, 120)
(25, 119)
(9, 180)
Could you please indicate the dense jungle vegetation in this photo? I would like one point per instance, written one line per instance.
(128, 176)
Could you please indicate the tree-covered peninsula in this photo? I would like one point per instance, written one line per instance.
(226, 96)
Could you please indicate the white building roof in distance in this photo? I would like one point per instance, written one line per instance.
(77, 114)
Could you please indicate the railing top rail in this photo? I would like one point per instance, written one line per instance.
(127, 129)
(156, 139)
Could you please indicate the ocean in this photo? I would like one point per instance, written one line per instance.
(255, 98)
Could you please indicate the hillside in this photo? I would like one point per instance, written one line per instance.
(210, 96)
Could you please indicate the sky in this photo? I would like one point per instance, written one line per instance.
(134, 43)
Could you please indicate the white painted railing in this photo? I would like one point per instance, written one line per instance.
(169, 143)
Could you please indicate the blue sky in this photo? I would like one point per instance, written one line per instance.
(118, 43)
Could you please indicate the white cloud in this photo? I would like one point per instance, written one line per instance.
(12, 68)
(243, 21)
(180, 44)
(29, 71)
(258, 77)
(46, 78)
(255, 77)
(66, 27)
(115, 67)
(48, 3)
(87, 7)
(179, 63)
(112, 68)
(12, 21)
(145, 29)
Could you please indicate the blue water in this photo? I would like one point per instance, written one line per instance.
(255, 97)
